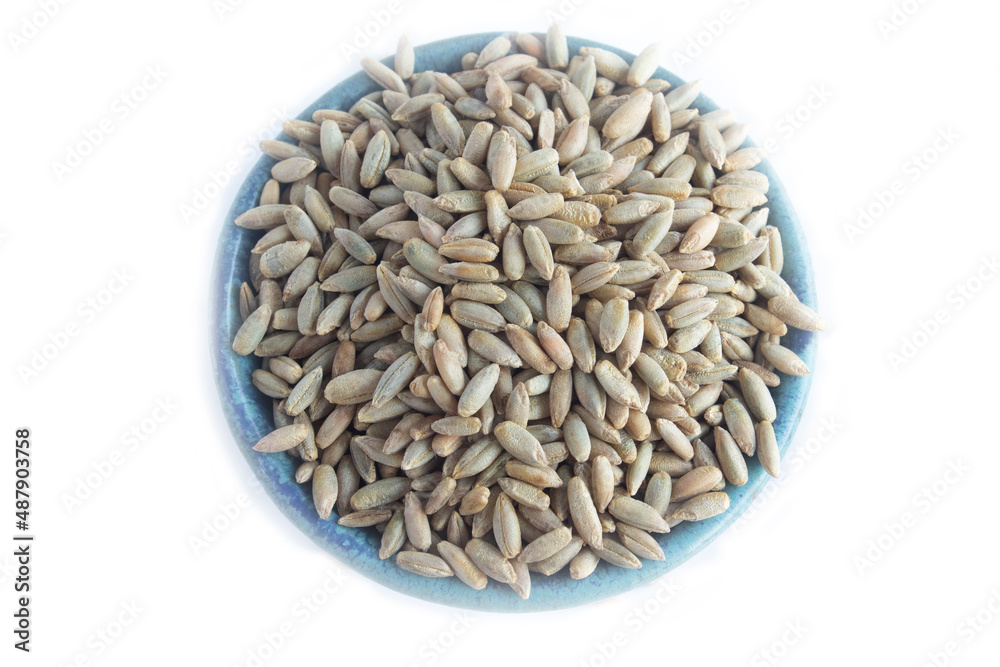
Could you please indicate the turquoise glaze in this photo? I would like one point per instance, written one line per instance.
(249, 412)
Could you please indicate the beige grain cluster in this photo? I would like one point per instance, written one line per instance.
(519, 318)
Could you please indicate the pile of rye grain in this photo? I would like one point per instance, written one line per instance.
(522, 316)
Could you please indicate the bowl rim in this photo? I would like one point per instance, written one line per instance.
(249, 414)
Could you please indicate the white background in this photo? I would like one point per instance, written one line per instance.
(825, 550)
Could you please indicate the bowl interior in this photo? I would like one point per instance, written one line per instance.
(249, 412)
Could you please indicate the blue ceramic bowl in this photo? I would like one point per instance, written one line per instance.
(249, 412)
